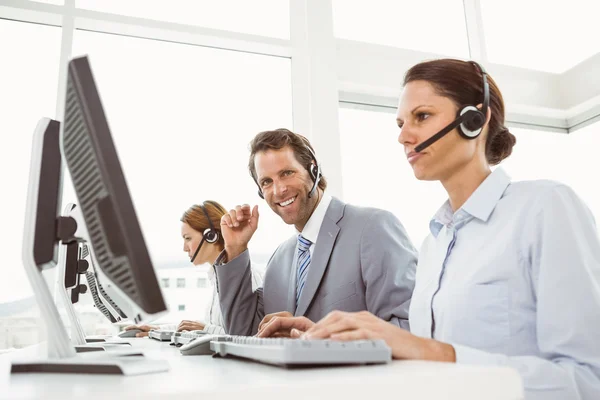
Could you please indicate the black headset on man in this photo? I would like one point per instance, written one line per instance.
(469, 120)
(210, 235)
(313, 168)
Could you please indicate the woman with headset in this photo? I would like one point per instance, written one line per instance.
(203, 242)
(510, 273)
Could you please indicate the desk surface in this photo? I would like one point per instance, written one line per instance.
(227, 378)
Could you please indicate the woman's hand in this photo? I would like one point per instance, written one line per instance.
(339, 325)
(186, 325)
(143, 328)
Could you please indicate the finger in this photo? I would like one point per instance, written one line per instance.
(226, 220)
(342, 325)
(359, 334)
(269, 317)
(246, 211)
(254, 216)
(285, 324)
(141, 334)
(233, 216)
(130, 327)
(296, 333)
(239, 213)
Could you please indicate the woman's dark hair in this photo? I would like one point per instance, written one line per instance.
(461, 81)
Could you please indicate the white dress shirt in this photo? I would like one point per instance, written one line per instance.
(313, 225)
(513, 278)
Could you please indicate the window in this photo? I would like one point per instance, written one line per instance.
(181, 307)
(383, 178)
(28, 78)
(165, 282)
(235, 15)
(202, 282)
(429, 26)
(180, 282)
(551, 43)
(560, 157)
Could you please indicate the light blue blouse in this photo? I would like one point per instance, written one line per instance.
(512, 278)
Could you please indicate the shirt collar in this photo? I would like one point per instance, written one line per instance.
(479, 205)
(313, 226)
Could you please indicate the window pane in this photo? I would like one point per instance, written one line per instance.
(259, 17)
(28, 78)
(538, 34)
(383, 178)
(28, 82)
(559, 157)
(430, 25)
(181, 117)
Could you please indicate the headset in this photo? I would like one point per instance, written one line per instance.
(469, 120)
(210, 235)
(313, 168)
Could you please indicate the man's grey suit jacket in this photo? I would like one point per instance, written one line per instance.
(362, 260)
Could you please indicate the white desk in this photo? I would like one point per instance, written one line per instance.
(199, 376)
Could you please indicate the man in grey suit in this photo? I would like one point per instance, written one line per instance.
(344, 257)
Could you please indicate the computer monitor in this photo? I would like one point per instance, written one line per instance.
(113, 230)
(109, 224)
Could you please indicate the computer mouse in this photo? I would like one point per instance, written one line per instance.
(198, 347)
(128, 334)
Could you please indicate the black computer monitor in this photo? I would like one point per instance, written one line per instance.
(115, 235)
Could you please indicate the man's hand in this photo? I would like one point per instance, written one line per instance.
(144, 329)
(339, 325)
(237, 228)
(292, 327)
(190, 326)
(269, 317)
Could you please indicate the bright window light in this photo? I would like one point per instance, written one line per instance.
(560, 157)
(540, 35)
(28, 78)
(377, 174)
(431, 26)
(259, 17)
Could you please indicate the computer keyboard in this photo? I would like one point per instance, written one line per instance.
(161, 335)
(181, 338)
(296, 352)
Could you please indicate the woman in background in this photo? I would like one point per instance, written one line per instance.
(203, 242)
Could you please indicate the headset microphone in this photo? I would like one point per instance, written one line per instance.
(470, 119)
(197, 250)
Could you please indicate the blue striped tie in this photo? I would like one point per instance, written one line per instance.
(303, 264)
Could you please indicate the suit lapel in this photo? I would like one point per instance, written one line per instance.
(320, 258)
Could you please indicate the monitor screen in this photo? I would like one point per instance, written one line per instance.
(110, 218)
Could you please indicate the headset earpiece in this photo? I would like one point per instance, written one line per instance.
(211, 235)
(473, 123)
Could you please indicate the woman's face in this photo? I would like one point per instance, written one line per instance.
(421, 114)
(191, 241)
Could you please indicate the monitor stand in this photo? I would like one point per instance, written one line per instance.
(70, 267)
